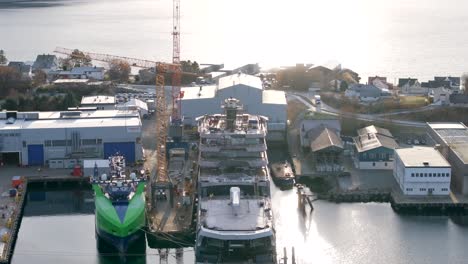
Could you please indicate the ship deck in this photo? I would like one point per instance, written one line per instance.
(173, 214)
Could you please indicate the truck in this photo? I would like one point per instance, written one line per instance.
(317, 99)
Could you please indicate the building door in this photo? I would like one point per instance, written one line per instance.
(36, 155)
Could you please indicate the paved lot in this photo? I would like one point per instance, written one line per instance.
(365, 179)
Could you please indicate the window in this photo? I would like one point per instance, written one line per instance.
(422, 189)
(385, 164)
(444, 189)
(425, 174)
(48, 143)
(412, 174)
(373, 164)
(58, 143)
(431, 189)
(448, 174)
(417, 174)
(409, 189)
(88, 141)
(99, 141)
(438, 174)
(430, 174)
(372, 156)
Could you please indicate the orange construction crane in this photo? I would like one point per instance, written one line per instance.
(161, 180)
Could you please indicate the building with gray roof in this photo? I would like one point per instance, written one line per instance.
(198, 101)
(422, 171)
(374, 148)
(64, 138)
(46, 63)
(452, 140)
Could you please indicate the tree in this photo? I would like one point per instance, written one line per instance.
(65, 63)
(79, 59)
(10, 104)
(40, 78)
(343, 86)
(119, 70)
(3, 58)
(9, 78)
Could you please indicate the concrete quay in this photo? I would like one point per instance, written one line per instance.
(11, 208)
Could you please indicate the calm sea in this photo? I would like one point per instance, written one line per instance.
(397, 38)
(58, 227)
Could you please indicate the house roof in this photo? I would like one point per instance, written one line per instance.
(20, 66)
(240, 78)
(82, 70)
(403, 81)
(420, 156)
(372, 137)
(455, 81)
(458, 99)
(324, 138)
(366, 90)
(45, 62)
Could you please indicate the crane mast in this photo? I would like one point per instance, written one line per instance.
(176, 118)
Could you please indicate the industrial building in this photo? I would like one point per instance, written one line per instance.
(198, 101)
(62, 139)
(452, 142)
(102, 102)
(422, 171)
(374, 148)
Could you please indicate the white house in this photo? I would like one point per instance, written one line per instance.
(411, 86)
(422, 171)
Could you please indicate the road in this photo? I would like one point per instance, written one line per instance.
(324, 108)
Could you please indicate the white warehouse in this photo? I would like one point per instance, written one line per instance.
(198, 101)
(422, 171)
(60, 138)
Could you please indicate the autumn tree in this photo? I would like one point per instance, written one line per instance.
(76, 59)
(9, 78)
(3, 58)
(119, 70)
(40, 78)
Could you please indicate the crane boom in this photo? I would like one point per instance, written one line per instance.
(170, 67)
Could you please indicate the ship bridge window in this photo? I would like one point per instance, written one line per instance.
(236, 244)
(211, 242)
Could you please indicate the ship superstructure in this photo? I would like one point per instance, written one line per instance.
(235, 219)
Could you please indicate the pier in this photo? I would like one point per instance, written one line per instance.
(11, 206)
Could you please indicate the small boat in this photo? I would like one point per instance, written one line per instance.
(283, 174)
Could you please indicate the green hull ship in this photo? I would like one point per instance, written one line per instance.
(120, 207)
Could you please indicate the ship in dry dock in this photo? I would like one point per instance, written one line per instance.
(235, 218)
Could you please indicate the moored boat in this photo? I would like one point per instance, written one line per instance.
(120, 206)
(283, 174)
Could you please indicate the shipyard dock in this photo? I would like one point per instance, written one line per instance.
(171, 217)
